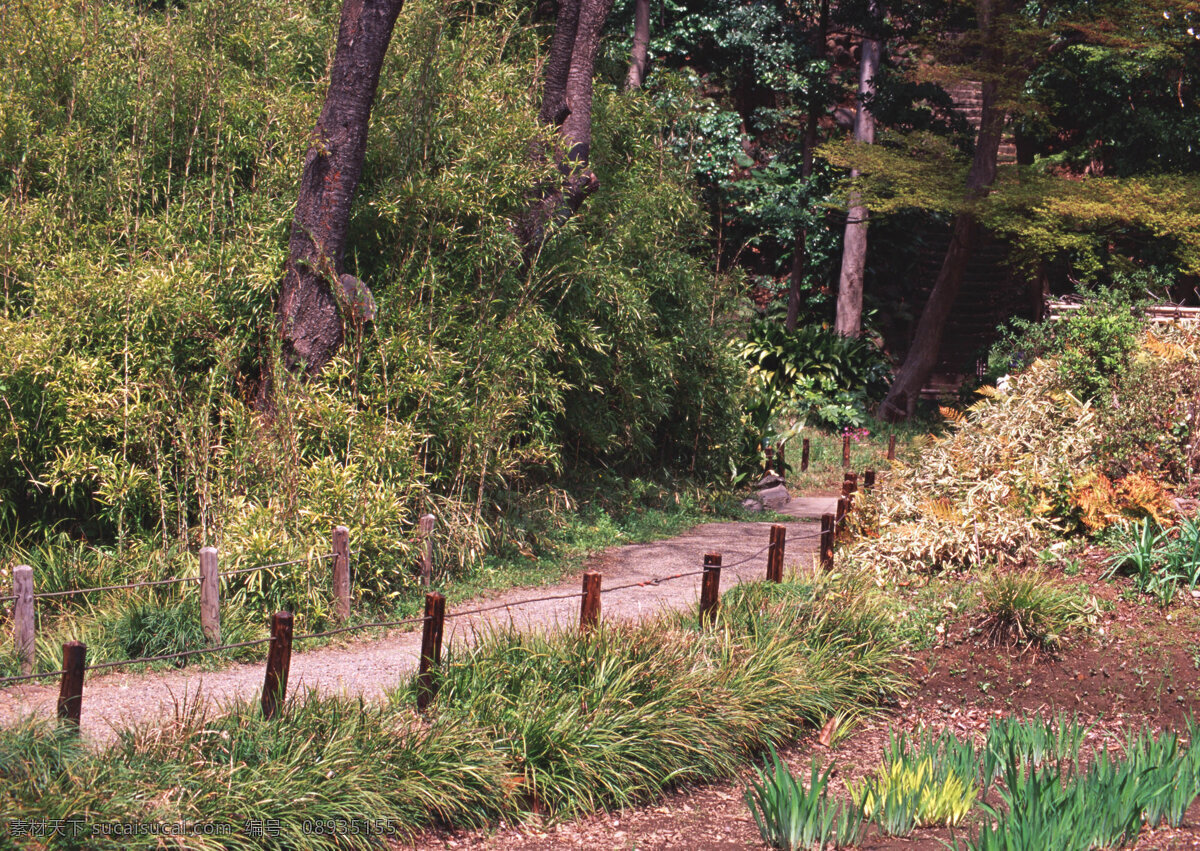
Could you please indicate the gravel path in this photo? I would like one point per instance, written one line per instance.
(368, 667)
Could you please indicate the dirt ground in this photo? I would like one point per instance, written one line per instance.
(1139, 665)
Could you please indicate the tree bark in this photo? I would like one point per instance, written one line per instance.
(641, 45)
(567, 102)
(800, 247)
(311, 299)
(854, 244)
(901, 399)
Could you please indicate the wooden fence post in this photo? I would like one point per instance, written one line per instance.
(827, 526)
(279, 659)
(775, 553)
(868, 480)
(804, 456)
(341, 572)
(842, 505)
(210, 595)
(24, 622)
(431, 648)
(589, 605)
(70, 692)
(710, 588)
(782, 462)
(891, 447)
(846, 449)
(426, 527)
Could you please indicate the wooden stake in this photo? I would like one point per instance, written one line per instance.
(279, 660)
(710, 588)
(868, 480)
(846, 449)
(842, 505)
(804, 456)
(210, 595)
(891, 447)
(431, 648)
(24, 622)
(589, 606)
(70, 692)
(426, 528)
(341, 572)
(827, 529)
(775, 553)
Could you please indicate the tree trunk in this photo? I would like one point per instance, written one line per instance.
(901, 399)
(567, 102)
(311, 295)
(854, 244)
(641, 44)
(800, 247)
(906, 387)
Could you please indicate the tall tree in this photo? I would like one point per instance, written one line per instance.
(315, 292)
(567, 103)
(848, 321)
(641, 45)
(902, 397)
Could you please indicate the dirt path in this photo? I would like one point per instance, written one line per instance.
(370, 666)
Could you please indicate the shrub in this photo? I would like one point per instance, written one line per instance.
(1089, 347)
(814, 374)
(1028, 610)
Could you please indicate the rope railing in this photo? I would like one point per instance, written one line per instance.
(152, 582)
(281, 639)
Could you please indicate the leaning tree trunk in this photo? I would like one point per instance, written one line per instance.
(641, 45)
(800, 234)
(311, 297)
(854, 244)
(567, 102)
(901, 399)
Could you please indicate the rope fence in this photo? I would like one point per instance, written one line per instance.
(282, 638)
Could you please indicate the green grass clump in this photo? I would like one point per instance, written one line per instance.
(1159, 560)
(1054, 804)
(793, 817)
(1030, 611)
(556, 723)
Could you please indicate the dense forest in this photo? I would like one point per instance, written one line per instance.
(734, 244)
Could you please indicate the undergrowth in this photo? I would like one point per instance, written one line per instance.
(556, 723)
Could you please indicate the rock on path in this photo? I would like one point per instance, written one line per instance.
(368, 667)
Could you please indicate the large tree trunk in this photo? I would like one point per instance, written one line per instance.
(800, 238)
(311, 296)
(906, 387)
(641, 44)
(567, 102)
(902, 397)
(854, 243)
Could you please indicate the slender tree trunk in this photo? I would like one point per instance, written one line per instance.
(641, 44)
(906, 387)
(567, 102)
(800, 238)
(854, 244)
(310, 318)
